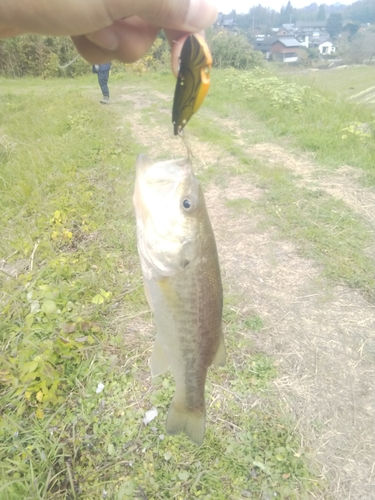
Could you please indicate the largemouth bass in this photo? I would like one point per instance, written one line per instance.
(181, 275)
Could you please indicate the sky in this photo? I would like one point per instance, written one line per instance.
(243, 6)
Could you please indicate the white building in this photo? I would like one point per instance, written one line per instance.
(326, 48)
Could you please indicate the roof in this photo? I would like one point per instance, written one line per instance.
(228, 22)
(324, 41)
(288, 42)
(268, 40)
(324, 38)
(265, 44)
(288, 27)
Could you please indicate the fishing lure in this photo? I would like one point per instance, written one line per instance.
(193, 80)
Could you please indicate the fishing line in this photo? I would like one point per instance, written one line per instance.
(186, 144)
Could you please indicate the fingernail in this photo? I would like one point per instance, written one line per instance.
(201, 14)
(106, 39)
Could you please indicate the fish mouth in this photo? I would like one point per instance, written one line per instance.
(145, 163)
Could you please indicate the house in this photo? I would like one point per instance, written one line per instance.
(284, 30)
(289, 27)
(264, 45)
(322, 43)
(285, 49)
(311, 26)
(280, 48)
(326, 47)
(229, 24)
(304, 41)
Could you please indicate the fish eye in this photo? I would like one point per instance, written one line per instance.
(189, 205)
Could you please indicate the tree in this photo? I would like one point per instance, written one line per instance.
(351, 28)
(286, 14)
(229, 51)
(262, 16)
(36, 55)
(334, 25)
(321, 13)
(361, 12)
(359, 49)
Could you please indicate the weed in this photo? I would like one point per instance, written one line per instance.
(254, 323)
(311, 118)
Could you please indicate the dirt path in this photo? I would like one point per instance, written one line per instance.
(321, 336)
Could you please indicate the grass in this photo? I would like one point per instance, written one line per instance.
(299, 114)
(325, 229)
(73, 315)
(350, 81)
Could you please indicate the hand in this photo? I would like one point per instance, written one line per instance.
(103, 30)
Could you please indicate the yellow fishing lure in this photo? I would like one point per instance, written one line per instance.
(193, 80)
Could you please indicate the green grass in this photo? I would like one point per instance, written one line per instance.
(310, 119)
(325, 229)
(73, 315)
(346, 81)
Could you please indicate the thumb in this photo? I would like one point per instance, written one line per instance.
(71, 17)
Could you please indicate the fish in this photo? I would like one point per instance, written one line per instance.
(193, 80)
(182, 282)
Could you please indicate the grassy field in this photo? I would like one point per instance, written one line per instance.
(73, 312)
(355, 83)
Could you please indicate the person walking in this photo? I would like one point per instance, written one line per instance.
(103, 74)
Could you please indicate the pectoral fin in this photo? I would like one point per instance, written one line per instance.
(220, 355)
(158, 361)
(186, 254)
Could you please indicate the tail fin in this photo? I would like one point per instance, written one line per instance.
(191, 422)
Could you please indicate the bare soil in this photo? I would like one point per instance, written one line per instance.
(322, 336)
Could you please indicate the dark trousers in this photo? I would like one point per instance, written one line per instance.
(103, 82)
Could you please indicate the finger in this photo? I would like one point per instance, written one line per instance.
(72, 17)
(126, 41)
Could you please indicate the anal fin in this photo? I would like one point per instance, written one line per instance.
(220, 355)
(158, 361)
